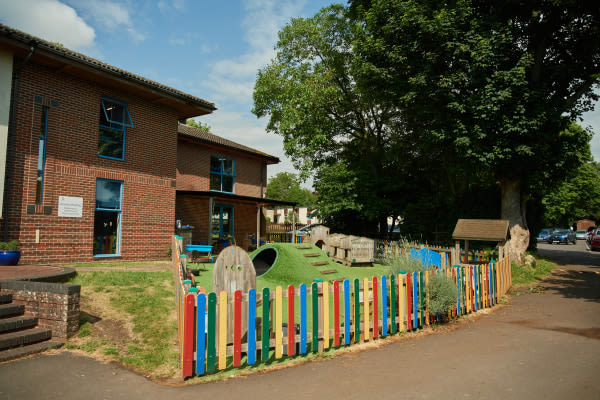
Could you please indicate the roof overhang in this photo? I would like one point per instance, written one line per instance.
(230, 196)
(493, 230)
(76, 64)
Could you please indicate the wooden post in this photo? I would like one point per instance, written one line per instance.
(466, 251)
(211, 203)
(258, 207)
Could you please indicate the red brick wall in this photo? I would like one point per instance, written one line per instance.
(193, 169)
(72, 167)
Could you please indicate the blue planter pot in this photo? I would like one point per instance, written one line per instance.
(9, 257)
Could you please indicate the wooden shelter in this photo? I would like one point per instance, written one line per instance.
(488, 230)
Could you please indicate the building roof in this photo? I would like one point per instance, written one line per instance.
(206, 137)
(68, 61)
(495, 230)
(232, 196)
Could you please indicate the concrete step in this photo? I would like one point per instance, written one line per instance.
(9, 310)
(24, 337)
(23, 351)
(5, 298)
(16, 323)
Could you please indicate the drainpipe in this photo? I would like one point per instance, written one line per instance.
(11, 140)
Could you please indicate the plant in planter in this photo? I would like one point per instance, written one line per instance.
(10, 253)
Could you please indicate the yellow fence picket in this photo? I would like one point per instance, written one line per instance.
(366, 308)
(278, 323)
(325, 315)
(222, 330)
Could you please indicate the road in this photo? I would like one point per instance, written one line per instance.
(545, 344)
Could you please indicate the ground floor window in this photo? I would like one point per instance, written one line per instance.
(222, 222)
(107, 217)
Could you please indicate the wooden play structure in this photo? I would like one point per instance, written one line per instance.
(345, 249)
(488, 230)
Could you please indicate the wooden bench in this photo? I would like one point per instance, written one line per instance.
(199, 253)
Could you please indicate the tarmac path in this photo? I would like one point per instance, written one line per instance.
(544, 345)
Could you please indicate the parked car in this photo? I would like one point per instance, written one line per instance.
(581, 234)
(565, 236)
(594, 240)
(306, 229)
(544, 234)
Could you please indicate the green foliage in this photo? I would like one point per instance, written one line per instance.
(442, 294)
(310, 95)
(576, 198)
(493, 85)
(403, 261)
(12, 245)
(198, 125)
(285, 186)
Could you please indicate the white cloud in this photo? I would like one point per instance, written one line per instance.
(50, 20)
(165, 6)
(233, 79)
(109, 16)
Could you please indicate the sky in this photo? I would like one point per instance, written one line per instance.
(210, 49)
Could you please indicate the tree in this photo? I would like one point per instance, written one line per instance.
(493, 83)
(285, 186)
(310, 94)
(198, 125)
(576, 198)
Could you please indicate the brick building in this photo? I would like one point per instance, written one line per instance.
(88, 155)
(228, 178)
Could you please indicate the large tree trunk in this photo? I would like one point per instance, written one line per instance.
(513, 209)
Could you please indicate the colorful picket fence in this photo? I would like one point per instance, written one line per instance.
(292, 321)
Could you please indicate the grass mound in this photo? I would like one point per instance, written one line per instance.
(292, 268)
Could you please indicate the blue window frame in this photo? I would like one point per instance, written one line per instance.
(222, 222)
(41, 163)
(114, 119)
(107, 218)
(222, 174)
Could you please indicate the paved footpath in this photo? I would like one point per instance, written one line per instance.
(543, 345)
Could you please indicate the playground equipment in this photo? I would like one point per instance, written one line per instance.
(347, 249)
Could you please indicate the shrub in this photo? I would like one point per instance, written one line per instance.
(403, 261)
(12, 245)
(442, 294)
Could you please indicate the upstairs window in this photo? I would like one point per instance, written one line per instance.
(114, 119)
(222, 174)
(41, 164)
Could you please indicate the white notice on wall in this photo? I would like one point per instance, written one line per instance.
(70, 206)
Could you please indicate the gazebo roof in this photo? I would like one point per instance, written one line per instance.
(493, 230)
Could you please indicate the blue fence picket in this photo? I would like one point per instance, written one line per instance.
(303, 319)
(347, 311)
(200, 334)
(415, 290)
(384, 321)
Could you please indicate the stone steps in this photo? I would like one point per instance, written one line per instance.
(19, 334)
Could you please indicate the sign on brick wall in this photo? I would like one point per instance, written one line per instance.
(70, 207)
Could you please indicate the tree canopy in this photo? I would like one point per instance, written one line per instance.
(285, 186)
(310, 94)
(434, 110)
(496, 83)
(198, 124)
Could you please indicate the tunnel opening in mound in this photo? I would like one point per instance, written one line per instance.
(320, 244)
(264, 260)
